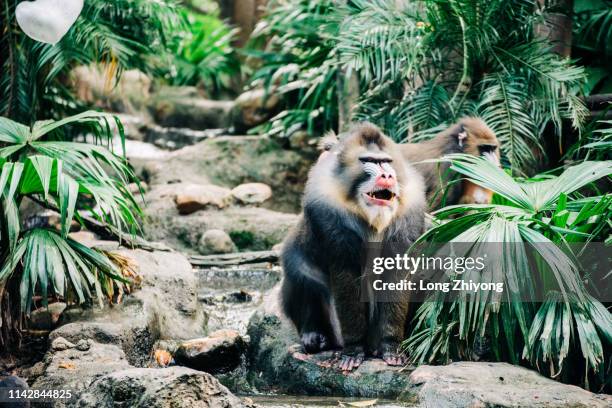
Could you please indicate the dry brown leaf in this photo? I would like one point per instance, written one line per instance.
(67, 365)
(162, 357)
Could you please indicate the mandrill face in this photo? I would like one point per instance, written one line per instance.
(364, 173)
(369, 165)
(377, 195)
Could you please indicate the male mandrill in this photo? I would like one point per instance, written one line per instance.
(360, 191)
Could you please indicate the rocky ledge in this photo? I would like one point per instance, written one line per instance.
(278, 364)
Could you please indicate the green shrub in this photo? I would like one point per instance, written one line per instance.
(57, 174)
(202, 54)
(568, 336)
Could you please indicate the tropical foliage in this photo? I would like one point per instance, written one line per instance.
(298, 61)
(423, 64)
(78, 180)
(32, 74)
(548, 214)
(593, 42)
(202, 53)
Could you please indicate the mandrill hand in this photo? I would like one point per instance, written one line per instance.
(314, 342)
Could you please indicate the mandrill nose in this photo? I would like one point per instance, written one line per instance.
(385, 180)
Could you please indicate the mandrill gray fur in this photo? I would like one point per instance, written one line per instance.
(361, 190)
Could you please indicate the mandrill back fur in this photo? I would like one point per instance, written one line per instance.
(361, 190)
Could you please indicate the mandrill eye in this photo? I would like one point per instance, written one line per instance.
(487, 148)
(375, 160)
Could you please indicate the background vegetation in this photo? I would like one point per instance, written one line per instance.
(414, 67)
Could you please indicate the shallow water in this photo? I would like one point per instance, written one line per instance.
(295, 401)
(230, 296)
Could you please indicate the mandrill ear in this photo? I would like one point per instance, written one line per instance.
(460, 133)
(328, 142)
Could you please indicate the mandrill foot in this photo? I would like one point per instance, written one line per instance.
(346, 361)
(391, 356)
(394, 359)
(314, 342)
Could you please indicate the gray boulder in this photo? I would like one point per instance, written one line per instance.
(228, 161)
(74, 370)
(216, 241)
(192, 112)
(174, 387)
(252, 193)
(219, 352)
(478, 384)
(254, 107)
(100, 376)
(250, 228)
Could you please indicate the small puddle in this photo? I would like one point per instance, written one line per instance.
(295, 401)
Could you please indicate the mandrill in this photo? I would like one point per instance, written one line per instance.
(469, 136)
(361, 191)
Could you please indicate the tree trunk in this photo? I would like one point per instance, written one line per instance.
(557, 28)
(243, 14)
(348, 94)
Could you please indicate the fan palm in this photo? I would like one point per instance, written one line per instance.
(58, 174)
(546, 215)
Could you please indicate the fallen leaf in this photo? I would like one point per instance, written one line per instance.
(67, 365)
(368, 403)
(162, 357)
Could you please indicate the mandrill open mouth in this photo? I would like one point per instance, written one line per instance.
(380, 197)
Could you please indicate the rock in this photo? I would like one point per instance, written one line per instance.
(176, 138)
(101, 377)
(229, 161)
(190, 198)
(45, 318)
(478, 384)
(192, 112)
(282, 366)
(130, 94)
(220, 352)
(251, 228)
(83, 345)
(60, 344)
(14, 383)
(134, 126)
(252, 193)
(174, 387)
(253, 108)
(300, 139)
(165, 307)
(74, 370)
(216, 241)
